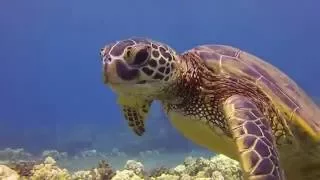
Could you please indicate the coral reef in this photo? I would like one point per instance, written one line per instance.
(201, 167)
(103, 172)
(23, 168)
(117, 152)
(88, 153)
(135, 166)
(218, 167)
(158, 171)
(54, 154)
(132, 170)
(49, 170)
(149, 153)
(9, 154)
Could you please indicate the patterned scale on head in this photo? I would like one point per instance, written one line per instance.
(137, 63)
(221, 98)
(138, 70)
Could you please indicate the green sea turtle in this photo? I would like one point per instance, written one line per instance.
(224, 99)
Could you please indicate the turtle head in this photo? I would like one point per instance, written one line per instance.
(138, 66)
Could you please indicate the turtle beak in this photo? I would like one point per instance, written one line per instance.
(105, 79)
(105, 74)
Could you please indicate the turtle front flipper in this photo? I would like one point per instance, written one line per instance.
(254, 139)
(135, 111)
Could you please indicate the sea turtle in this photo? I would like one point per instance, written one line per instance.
(222, 98)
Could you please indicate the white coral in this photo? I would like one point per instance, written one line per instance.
(49, 170)
(180, 169)
(229, 168)
(82, 175)
(219, 167)
(135, 166)
(126, 175)
(167, 177)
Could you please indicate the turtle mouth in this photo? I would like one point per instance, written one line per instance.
(132, 84)
(129, 88)
(139, 89)
(142, 82)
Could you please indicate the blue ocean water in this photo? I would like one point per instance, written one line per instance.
(51, 90)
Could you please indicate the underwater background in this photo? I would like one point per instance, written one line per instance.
(51, 92)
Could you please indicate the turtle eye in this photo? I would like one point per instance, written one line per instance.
(128, 55)
(137, 55)
(101, 52)
(141, 56)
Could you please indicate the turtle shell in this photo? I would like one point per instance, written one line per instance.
(284, 92)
